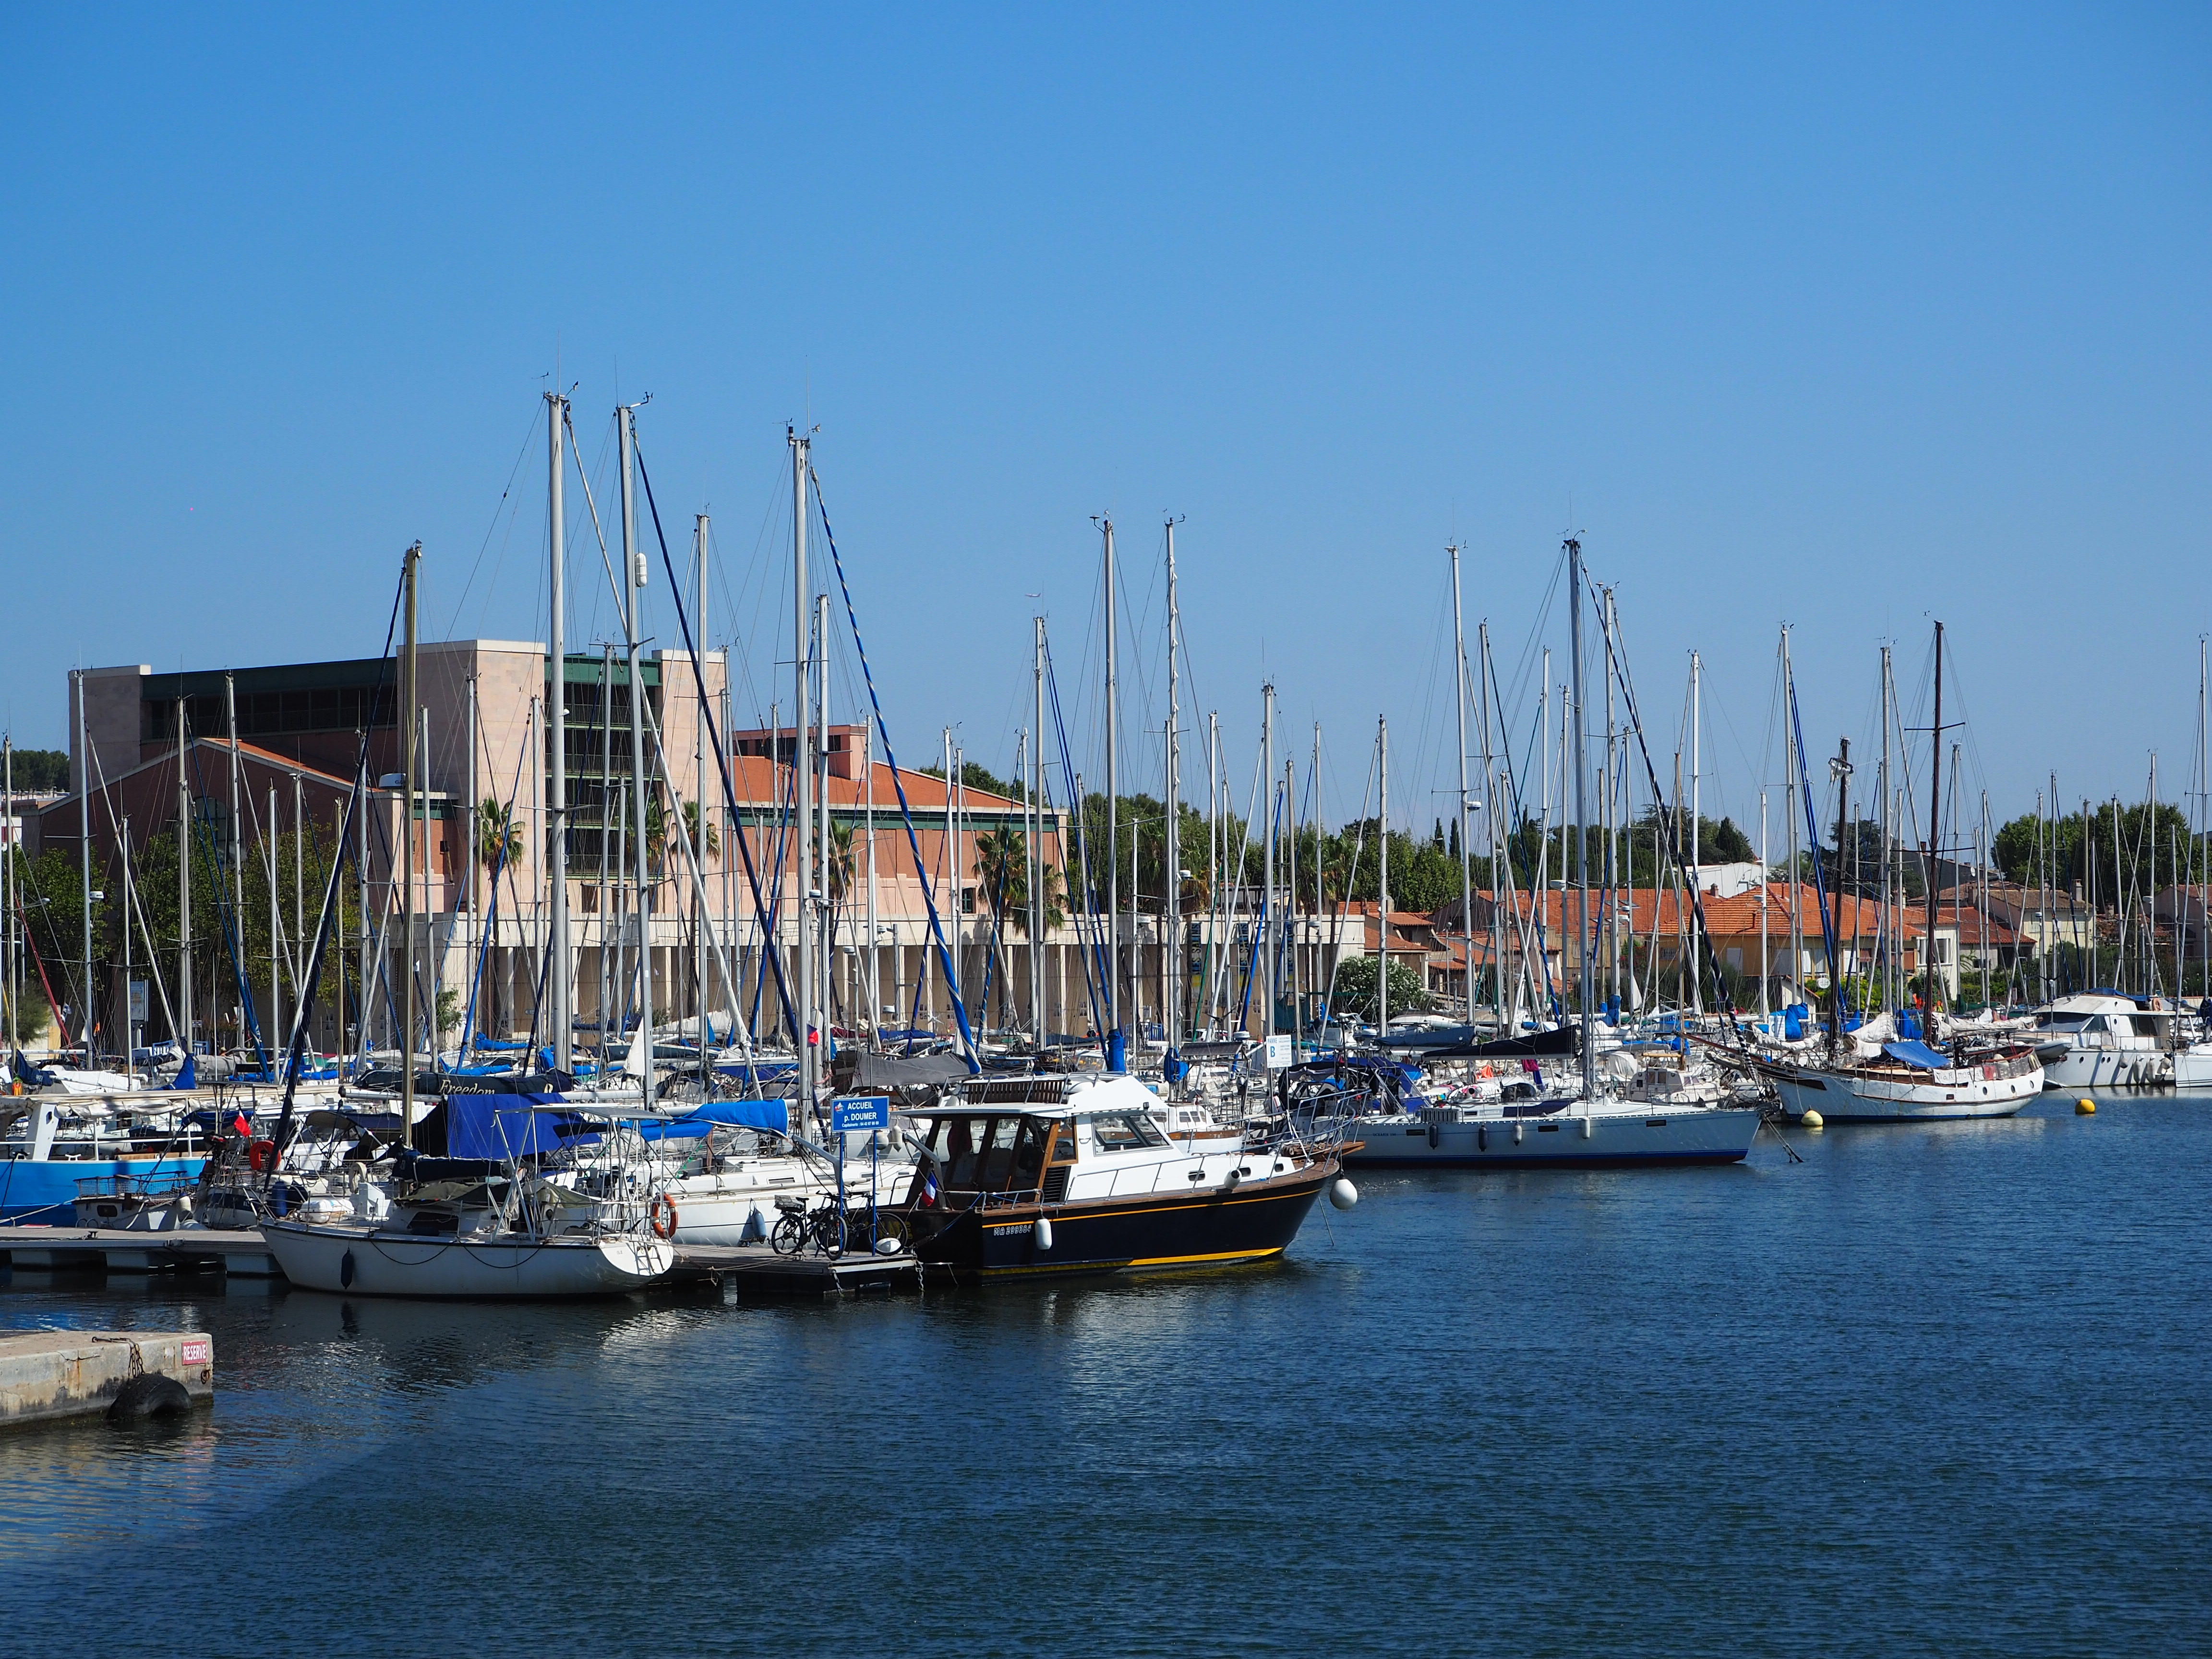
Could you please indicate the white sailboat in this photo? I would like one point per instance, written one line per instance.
(1591, 1121)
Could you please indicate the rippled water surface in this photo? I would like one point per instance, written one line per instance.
(1934, 1389)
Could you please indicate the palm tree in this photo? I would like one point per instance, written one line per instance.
(1002, 865)
(712, 846)
(499, 837)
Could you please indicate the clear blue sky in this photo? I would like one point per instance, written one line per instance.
(1847, 317)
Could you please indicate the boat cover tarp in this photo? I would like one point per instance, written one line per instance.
(1453, 1037)
(1543, 1045)
(503, 1127)
(870, 1073)
(1919, 1054)
(774, 1116)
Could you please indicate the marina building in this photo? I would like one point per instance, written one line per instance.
(260, 763)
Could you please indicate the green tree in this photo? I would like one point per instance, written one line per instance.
(51, 886)
(2086, 853)
(1352, 995)
(42, 771)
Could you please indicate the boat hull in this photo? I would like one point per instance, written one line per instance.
(42, 1193)
(2107, 1068)
(1146, 1232)
(1664, 1136)
(369, 1262)
(1847, 1097)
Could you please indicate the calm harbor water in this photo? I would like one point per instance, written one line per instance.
(1934, 1389)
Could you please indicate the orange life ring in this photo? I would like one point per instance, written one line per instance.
(659, 1229)
(259, 1154)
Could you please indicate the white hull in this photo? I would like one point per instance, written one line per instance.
(1645, 1134)
(2192, 1068)
(2111, 1068)
(371, 1261)
(1854, 1096)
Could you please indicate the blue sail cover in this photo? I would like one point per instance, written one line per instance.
(505, 1127)
(774, 1116)
(1919, 1054)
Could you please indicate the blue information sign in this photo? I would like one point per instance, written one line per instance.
(851, 1112)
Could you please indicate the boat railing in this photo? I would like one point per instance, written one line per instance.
(166, 1183)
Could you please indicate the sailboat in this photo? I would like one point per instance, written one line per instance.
(1588, 1120)
(481, 1216)
(1878, 1073)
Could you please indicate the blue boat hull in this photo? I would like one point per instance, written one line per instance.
(38, 1194)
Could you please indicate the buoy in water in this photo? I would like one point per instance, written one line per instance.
(2085, 1108)
(1811, 1120)
(1043, 1232)
(1343, 1193)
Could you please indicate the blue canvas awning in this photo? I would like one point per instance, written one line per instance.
(1919, 1054)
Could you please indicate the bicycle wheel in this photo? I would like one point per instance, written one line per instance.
(829, 1233)
(892, 1227)
(789, 1236)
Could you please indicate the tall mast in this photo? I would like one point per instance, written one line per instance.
(84, 846)
(1935, 826)
(1214, 830)
(560, 993)
(952, 883)
(1383, 879)
(1171, 838)
(1115, 1054)
(1840, 769)
(129, 1025)
(1316, 987)
(635, 566)
(276, 979)
(1577, 757)
(1616, 752)
(1882, 930)
(1036, 848)
(1789, 814)
(2203, 826)
(1697, 865)
(237, 817)
(1491, 831)
(802, 595)
(699, 919)
(1465, 865)
(1268, 923)
(408, 762)
(825, 902)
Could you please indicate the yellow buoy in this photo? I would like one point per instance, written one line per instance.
(1811, 1120)
(2085, 1108)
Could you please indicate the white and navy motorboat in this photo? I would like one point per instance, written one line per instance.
(1062, 1175)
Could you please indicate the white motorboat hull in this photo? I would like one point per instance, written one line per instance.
(1856, 1098)
(374, 1261)
(1644, 1135)
(2192, 1067)
(2085, 1068)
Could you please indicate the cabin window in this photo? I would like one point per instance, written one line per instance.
(1029, 1154)
(1063, 1149)
(959, 1144)
(997, 1154)
(1125, 1131)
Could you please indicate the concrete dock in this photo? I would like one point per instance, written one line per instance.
(117, 1250)
(49, 1374)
